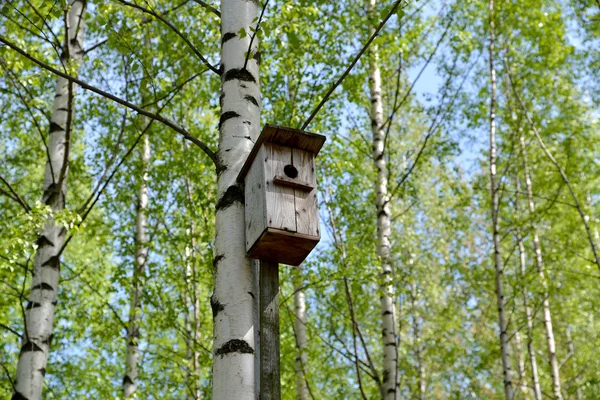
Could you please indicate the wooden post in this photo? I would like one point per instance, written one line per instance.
(270, 383)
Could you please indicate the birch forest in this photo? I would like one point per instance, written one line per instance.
(458, 197)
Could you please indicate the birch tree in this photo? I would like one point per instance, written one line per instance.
(539, 262)
(233, 300)
(130, 380)
(43, 295)
(499, 268)
(300, 334)
(389, 343)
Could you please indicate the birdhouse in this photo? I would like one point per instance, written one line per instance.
(282, 213)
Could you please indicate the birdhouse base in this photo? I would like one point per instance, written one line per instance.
(283, 247)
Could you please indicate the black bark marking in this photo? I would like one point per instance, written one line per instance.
(233, 194)
(215, 306)
(252, 294)
(227, 115)
(54, 127)
(251, 99)
(221, 69)
(387, 312)
(53, 262)
(386, 376)
(18, 396)
(390, 390)
(228, 36)
(235, 346)
(30, 346)
(257, 57)
(217, 259)
(42, 371)
(43, 286)
(43, 241)
(240, 74)
(127, 380)
(247, 123)
(32, 304)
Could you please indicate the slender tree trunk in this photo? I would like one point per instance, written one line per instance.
(521, 364)
(388, 313)
(418, 348)
(130, 380)
(233, 300)
(39, 313)
(528, 314)
(571, 348)
(504, 345)
(300, 331)
(539, 262)
(192, 322)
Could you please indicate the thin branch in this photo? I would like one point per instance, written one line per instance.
(352, 64)
(211, 154)
(15, 196)
(174, 29)
(262, 13)
(209, 7)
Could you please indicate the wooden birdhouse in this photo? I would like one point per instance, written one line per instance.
(282, 213)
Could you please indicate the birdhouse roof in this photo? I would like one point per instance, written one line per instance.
(294, 138)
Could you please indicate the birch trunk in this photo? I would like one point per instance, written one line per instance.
(528, 315)
(571, 348)
(130, 380)
(388, 314)
(300, 332)
(521, 364)
(417, 344)
(39, 312)
(234, 297)
(192, 322)
(499, 269)
(539, 262)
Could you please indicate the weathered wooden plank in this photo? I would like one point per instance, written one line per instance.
(293, 183)
(270, 382)
(280, 199)
(283, 247)
(255, 202)
(306, 203)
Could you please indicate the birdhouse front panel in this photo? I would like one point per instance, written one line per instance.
(282, 219)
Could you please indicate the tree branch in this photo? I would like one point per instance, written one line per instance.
(211, 154)
(174, 29)
(209, 7)
(15, 196)
(352, 64)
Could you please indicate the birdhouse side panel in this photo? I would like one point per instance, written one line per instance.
(281, 213)
(306, 203)
(255, 201)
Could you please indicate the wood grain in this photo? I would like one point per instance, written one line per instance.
(283, 247)
(281, 213)
(270, 382)
(306, 203)
(255, 203)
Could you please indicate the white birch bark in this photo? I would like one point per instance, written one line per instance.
(521, 365)
(233, 300)
(499, 268)
(192, 320)
(39, 312)
(388, 313)
(537, 392)
(418, 347)
(571, 348)
(539, 262)
(130, 380)
(300, 333)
